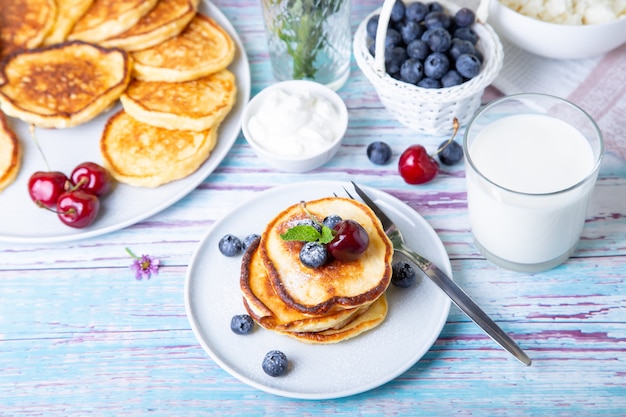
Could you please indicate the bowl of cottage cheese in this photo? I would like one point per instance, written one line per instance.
(561, 29)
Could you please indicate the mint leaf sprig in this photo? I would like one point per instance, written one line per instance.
(308, 233)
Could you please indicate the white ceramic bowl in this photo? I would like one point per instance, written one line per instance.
(553, 40)
(301, 163)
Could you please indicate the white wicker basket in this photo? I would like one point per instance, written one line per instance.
(425, 110)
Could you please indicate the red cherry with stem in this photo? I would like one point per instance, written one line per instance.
(91, 177)
(45, 188)
(350, 242)
(416, 166)
(77, 208)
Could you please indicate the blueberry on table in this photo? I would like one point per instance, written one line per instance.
(275, 363)
(313, 254)
(378, 152)
(450, 152)
(230, 245)
(241, 324)
(402, 275)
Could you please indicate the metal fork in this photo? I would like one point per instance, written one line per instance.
(452, 290)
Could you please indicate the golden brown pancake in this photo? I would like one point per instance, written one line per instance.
(267, 309)
(10, 154)
(203, 48)
(68, 13)
(335, 285)
(167, 19)
(24, 23)
(107, 18)
(63, 85)
(142, 155)
(372, 317)
(190, 105)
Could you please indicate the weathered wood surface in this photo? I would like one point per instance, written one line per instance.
(80, 336)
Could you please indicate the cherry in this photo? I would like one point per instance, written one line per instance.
(45, 188)
(77, 208)
(350, 242)
(91, 177)
(417, 166)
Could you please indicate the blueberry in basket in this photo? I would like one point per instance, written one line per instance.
(427, 45)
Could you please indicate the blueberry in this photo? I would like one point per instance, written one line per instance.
(468, 65)
(275, 363)
(412, 71)
(436, 65)
(402, 274)
(464, 17)
(467, 34)
(313, 254)
(397, 11)
(451, 78)
(410, 31)
(450, 153)
(378, 153)
(394, 59)
(438, 39)
(460, 47)
(241, 324)
(418, 49)
(435, 7)
(429, 83)
(247, 241)
(331, 220)
(372, 26)
(437, 20)
(416, 11)
(309, 222)
(230, 245)
(393, 38)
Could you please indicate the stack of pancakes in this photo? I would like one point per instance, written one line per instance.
(63, 62)
(329, 304)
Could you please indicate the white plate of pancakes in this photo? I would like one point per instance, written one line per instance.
(23, 222)
(415, 316)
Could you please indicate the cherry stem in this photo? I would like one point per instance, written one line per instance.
(70, 210)
(455, 125)
(31, 128)
(68, 186)
(306, 210)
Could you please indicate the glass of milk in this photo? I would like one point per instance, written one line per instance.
(532, 161)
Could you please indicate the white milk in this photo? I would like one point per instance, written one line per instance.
(532, 217)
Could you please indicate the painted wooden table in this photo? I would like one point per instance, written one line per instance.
(79, 335)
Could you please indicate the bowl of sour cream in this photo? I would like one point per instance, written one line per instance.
(295, 126)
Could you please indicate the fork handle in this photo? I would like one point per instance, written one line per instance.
(465, 303)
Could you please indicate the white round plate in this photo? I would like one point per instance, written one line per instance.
(414, 321)
(22, 221)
